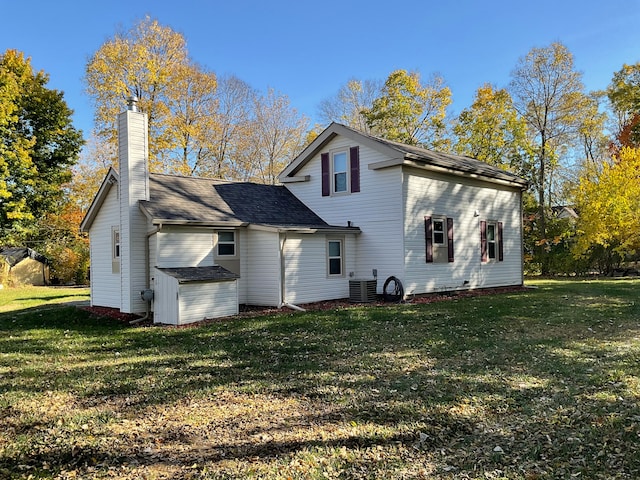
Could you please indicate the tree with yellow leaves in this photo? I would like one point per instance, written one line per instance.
(151, 62)
(411, 112)
(607, 199)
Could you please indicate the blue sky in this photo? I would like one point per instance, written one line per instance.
(307, 50)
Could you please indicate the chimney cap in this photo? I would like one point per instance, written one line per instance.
(132, 103)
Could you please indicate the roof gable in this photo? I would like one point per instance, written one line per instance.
(110, 179)
(401, 154)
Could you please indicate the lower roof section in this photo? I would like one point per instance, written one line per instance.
(215, 273)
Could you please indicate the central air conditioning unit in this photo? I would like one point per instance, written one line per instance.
(362, 291)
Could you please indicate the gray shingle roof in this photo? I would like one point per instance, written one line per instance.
(214, 273)
(210, 201)
(14, 255)
(450, 161)
(402, 154)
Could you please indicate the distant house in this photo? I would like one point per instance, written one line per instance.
(564, 212)
(350, 207)
(23, 266)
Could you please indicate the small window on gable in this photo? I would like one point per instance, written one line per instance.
(334, 257)
(340, 175)
(226, 244)
(340, 171)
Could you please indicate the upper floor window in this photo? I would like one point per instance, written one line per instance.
(227, 243)
(340, 171)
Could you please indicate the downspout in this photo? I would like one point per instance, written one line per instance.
(147, 275)
(283, 302)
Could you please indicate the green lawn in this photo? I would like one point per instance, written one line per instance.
(538, 384)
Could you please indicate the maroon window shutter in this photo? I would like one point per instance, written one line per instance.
(326, 185)
(483, 240)
(500, 247)
(450, 238)
(428, 237)
(354, 161)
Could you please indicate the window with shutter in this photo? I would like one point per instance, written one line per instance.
(438, 235)
(340, 171)
(491, 245)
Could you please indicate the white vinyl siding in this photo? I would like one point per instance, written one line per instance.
(376, 209)
(305, 260)
(467, 201)
(184, 247)
(263, 268)
(105, 285)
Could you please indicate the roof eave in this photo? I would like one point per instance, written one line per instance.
(197, 223)
(325, 137)
(110, 179)
(408, 162)
(305, 229)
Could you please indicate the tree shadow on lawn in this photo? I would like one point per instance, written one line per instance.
(398, 377)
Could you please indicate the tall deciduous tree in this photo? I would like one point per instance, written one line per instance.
(348, 105)
(411, 112)
(193, 104)
(608, 199)
(624, 95)
(148, 62)
(492, 131)
(548, 94)
(38, 146)
(277, 137)
(229, 157)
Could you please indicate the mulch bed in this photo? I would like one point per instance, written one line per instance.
(248, 311)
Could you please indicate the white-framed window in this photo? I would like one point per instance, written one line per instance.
(115, 244)
(439, 231)
(340, 171)
(438, 234)
(491, 240)
(227, 243)
(335, 257)
(115, 250)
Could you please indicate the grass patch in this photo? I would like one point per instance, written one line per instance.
(536, 384)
